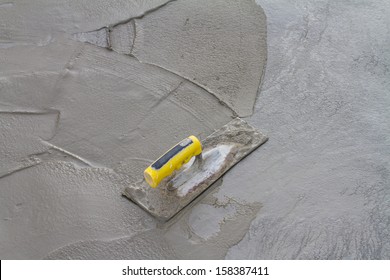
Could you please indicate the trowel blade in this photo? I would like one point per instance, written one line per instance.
(221, 151)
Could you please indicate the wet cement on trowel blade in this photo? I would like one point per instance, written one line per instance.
(212, 161)
(221, 150)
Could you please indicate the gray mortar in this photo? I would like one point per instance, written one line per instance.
(325, 99)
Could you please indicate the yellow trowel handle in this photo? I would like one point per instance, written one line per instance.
(172, 160)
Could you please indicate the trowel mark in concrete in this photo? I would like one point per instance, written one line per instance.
(6, 5)
(55, 153)
(146, 245)
(98, 37)
(25, 144)
(22, 134)
(119, 38)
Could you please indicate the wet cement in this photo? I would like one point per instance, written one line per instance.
(325, 186)
(318, 189)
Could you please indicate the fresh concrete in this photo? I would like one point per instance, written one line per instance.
(323, 177)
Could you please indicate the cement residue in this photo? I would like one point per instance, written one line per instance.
(212, 233)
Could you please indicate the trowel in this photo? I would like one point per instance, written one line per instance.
(186, 170)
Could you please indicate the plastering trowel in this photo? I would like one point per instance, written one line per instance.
(189, 168)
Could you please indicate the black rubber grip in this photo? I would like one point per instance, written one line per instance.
(171, 153)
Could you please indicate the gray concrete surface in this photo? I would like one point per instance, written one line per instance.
(318, 189)
(323, 177)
